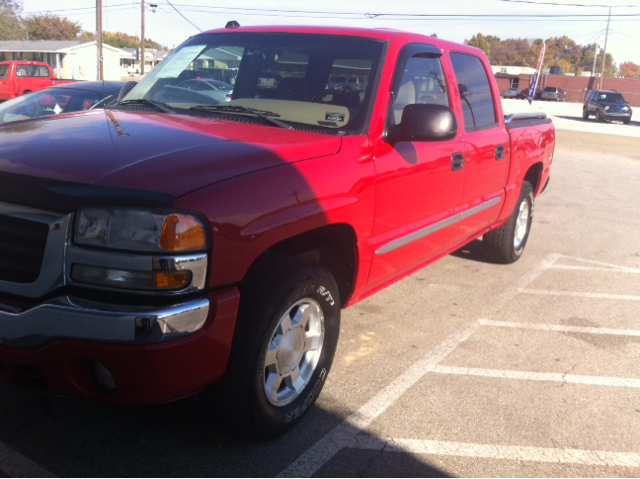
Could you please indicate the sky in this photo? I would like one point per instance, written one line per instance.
(584, 21)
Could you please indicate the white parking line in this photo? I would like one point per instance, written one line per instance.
(531, 376)
(526, 280)
(625, 297)
(15, 464)
(514, 453)
(560, 328)
(346, 432)
(607, 266)
(595, 268)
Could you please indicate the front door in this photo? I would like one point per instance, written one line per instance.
(4, 81)
(417, 190)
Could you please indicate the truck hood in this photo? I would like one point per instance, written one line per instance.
(156, 152)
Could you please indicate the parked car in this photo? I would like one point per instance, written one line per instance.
(60, 99)
(208, 243)
(553, 93)
(20, 77)
(218, 90)
(515, 93)
(347, 84)
(607, 105)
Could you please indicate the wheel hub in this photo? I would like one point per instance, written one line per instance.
(291, 350)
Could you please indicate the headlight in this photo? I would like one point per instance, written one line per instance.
(625, 108)
(606, 107)
(138, 230)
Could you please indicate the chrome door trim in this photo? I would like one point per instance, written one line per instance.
(434, 228)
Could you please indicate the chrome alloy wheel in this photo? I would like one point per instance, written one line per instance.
(522, 224)
(293, 353)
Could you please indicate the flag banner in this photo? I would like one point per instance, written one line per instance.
(536, 77)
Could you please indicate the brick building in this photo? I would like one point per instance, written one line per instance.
(576, 87)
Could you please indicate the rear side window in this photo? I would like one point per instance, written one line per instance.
(4, 72)
(475, 91)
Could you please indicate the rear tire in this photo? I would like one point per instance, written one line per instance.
(506, 244)
(284, 345)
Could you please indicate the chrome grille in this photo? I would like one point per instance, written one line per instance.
(22, 245)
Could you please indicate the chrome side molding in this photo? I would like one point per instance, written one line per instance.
(429, 230)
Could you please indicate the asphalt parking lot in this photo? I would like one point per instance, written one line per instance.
(465, 368)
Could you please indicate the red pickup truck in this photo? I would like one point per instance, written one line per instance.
(170, 242)
(20, 77)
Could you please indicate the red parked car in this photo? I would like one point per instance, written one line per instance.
(169, 242)
(20, 77)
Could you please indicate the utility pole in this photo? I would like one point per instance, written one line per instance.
(99, 37)
(604, 53)
(142, 43)
(595, 57)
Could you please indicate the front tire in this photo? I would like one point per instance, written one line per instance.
(506, 244)
(285, 342)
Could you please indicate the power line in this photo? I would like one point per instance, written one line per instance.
(180, 13)
(531, 2)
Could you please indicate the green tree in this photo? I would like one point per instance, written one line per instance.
(121, 40)
(481, 42)
(44, 26)
(11, 27)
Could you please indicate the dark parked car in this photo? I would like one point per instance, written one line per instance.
(515, 93)
(553, 93)
(65, 98)
(606, 105)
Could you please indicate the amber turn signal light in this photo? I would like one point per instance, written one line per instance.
(182, 232)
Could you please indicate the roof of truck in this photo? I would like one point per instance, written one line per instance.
(384, 34)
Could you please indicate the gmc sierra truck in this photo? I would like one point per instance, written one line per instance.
(20, 77)
(170, 242)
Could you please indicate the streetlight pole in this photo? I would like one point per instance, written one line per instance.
(99, 37)
(142, 43)
(604, 52)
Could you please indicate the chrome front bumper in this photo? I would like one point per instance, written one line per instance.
(67, 317)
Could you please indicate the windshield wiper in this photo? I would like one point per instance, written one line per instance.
(142, 101)
(265, 115)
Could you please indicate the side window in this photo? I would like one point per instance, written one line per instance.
(422, 82)
(475, 91)
(4, 72)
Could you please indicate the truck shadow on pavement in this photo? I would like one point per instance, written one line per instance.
(74, 437)
(473, 251)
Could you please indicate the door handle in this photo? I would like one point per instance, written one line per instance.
(501, 152)
(457, 162)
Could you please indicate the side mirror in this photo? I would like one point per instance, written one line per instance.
(425, 122)
(126, 88)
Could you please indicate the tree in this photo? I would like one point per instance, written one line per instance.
(11, 27)
(481, 42)
(44, 26)
(121, 40)
(629, 70)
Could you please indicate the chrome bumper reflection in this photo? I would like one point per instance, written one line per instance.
(66, 317)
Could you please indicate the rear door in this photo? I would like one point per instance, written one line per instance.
(417, 189)
(487, 147)
(4, 81)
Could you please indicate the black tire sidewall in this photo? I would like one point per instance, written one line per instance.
(273, 419)
(526, 194)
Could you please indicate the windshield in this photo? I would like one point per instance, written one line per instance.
(290, 77)
(611, 97)
(52, 101)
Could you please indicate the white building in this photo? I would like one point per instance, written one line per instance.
(512, 70)
(71, 60)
